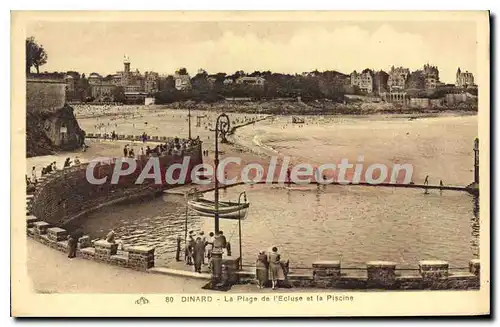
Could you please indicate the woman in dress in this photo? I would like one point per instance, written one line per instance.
(275, 269)
(261, 269)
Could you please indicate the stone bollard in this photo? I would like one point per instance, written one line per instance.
(141, 257)
(475, 267)
(84, 242)
(434, 273)
(104, 250)
(56, 234)
(326, 273)
(381, 274)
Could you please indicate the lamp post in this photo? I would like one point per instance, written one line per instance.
(189, 122)
(221, 125)
(239, 225)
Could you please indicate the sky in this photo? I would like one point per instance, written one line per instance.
(279, 46)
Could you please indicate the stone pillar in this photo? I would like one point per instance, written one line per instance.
(30, 220)
(104, 250)
(434, 273)
(381, 274)
(41, 227)
(84, 242)
(57, 234)
(475, 267)
(232, 265)
(216, 267)
(326, 273)
(141, 257)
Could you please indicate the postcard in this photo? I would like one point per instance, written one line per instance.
(248, 164)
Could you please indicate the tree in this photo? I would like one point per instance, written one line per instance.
(119, 94)
(35, 55)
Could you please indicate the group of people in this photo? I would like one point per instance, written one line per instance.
(199, 247)
(175, 146)
(270, 267)
(52, 167)
(48, 169)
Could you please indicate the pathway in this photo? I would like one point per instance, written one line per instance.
(52, 272)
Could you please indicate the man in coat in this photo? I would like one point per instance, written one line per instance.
(198, 254)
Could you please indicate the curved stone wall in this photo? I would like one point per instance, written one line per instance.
(66, 194)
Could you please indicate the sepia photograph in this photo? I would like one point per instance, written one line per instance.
(214, 163)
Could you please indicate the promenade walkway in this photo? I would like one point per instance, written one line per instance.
(52, 272)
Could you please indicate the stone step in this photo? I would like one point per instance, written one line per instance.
(179, 273)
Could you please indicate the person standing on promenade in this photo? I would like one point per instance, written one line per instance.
(275, 269)
(198, 253)
(73, 243)
(190, 248)
(178, 251)
(426, 182)
(67, 163)
(210, 246)
(220, 242)
(33, 175)
(204, 241)
(261, 269)
(110, 238)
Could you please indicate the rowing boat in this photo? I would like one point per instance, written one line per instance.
(227, 210)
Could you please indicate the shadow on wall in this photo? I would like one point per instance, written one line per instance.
(50, 123)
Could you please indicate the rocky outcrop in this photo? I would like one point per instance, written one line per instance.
(49, 131)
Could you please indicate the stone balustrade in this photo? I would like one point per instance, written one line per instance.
(380, 275)
(135, 257)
